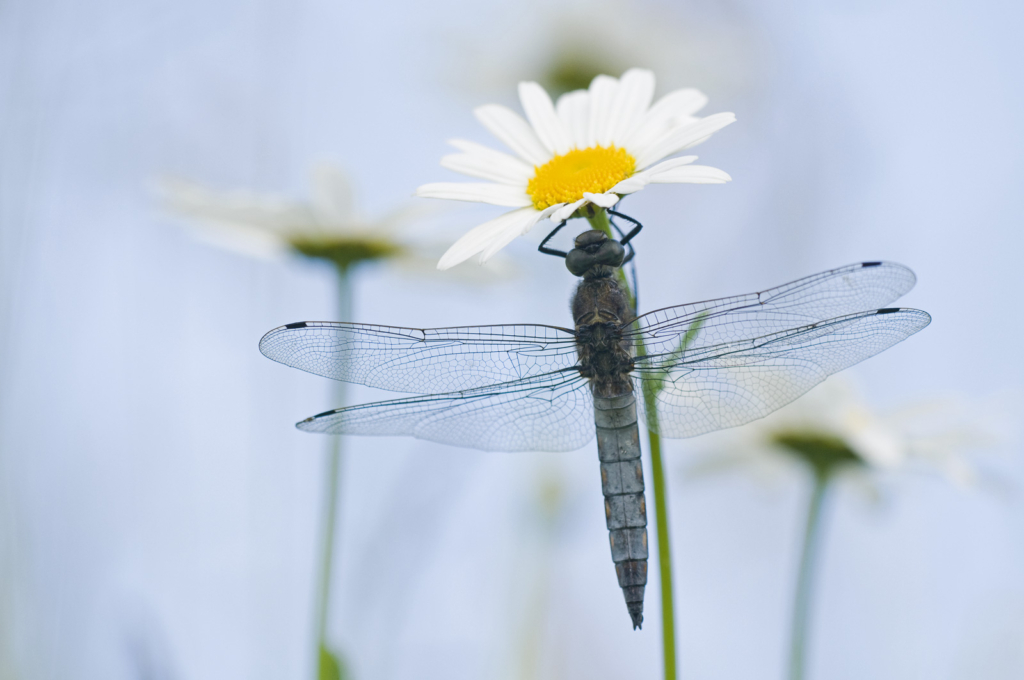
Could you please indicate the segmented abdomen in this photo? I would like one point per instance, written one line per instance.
(622, 481)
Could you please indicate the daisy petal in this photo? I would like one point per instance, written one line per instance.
(241, 208)
(633, 96)
(541, 114)
(684, 102)
(243, 240)
(495, 194)
(479, 238)
(669, 164)
(691, 174)
(607, 200)
(511, 233)
(485, 168)
(514, 132)
(630, 185)
(683, 138)
(602, 95)
(503, 239)
(566, 210)
(674, 109)
(642, 179)
(332, 195)
(574, 112)
(480, 161)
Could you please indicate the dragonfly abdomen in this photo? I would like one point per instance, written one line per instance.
(622, 482)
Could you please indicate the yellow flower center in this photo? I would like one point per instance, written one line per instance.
(563, 179)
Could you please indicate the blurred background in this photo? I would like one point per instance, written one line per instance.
(160, 515)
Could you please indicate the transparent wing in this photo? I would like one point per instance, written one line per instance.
(552, 412)
(422, 361)
(703, 389)
(847, 290)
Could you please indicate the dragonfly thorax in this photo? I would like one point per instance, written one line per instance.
(604, 358)
(602, 350)
(600, 300)
(601, 309)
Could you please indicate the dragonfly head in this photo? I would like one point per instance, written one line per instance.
(594, 255)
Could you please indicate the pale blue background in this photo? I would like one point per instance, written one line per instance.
(159, 513)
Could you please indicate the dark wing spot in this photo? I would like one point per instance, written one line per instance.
(871, 264)
(888, 310)
(299, 324)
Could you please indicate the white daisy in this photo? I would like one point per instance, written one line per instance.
(591, 147)
(540, 40)
(326, 227)
(833, 425)
(268, 225)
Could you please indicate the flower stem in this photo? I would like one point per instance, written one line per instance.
(805, 578)
(599, 220)
(329, 666)
(668, 619)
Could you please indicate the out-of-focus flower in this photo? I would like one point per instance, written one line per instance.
(834, 434)
(591, 147)
(833, 430)
(326, 227)
(269, 226)
(542, 40)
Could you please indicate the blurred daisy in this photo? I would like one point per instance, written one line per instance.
(590, 148)
(326, 227)
(540, 40)
(833, 430)
(269, 226)
(833, 433)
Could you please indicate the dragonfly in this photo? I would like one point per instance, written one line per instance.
(699, 367)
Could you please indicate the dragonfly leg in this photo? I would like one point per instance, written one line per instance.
(636, 229)
(551, 251)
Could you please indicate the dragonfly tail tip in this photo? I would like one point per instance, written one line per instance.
(638, 619)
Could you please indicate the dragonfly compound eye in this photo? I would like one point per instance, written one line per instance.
(611, 253)
(591, 237)
(579, 261)
(594, 248)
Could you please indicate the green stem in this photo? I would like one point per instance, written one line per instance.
(805, 578)
(599, 220)
(327, 663)
(668, 619)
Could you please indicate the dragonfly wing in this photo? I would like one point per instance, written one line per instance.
(421, 361)
(552, 412)
(730, 384)
(837, 292)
